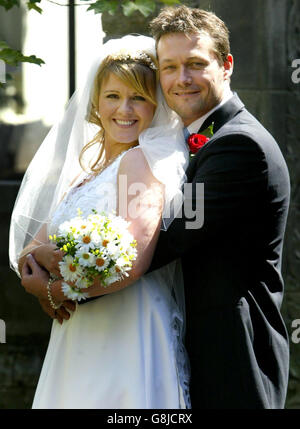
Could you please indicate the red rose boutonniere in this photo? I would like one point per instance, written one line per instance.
(196, 141)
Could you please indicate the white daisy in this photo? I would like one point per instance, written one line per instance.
(131, 252)
(101, 262)
(81, 228)
(64, 229)
(118, 223)
(122, 261)
(83, 283)
(113, 249)
(96, 220)
(85, 241)
(96, 238)
(113, 277)
(85, 259)
(69, 270)
(73, 293)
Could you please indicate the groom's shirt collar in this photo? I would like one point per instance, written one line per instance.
(196, 125)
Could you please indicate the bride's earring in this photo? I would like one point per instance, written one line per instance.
(99, 120)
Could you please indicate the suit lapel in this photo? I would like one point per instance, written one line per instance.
(224, 113)
(220, 117)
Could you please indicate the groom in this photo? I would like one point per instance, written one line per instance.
(236, 339)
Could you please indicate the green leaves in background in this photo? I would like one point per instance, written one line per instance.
(13, 57)
(101, 6)
(145, 7)
(32, 5)
(170, 2)
(9, 4)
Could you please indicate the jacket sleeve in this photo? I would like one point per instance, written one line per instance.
(234, 172)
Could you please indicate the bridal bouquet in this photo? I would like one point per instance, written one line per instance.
(99, 246)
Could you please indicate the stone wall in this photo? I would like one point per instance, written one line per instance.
(263, 55)
(27, 327)
(291, 113)
(265, 38)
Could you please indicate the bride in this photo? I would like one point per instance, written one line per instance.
(123, 349)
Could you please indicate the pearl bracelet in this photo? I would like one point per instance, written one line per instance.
(52, 303)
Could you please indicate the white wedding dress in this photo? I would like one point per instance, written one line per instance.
(123, 350)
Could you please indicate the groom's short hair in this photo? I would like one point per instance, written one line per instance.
(183, 19)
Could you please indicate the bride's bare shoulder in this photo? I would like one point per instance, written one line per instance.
(135, 166)
(134, 158)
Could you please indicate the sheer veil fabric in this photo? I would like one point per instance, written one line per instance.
(51, 174)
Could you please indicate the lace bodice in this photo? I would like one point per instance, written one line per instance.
(99, 192)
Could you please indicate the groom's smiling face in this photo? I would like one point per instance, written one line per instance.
(191, 76)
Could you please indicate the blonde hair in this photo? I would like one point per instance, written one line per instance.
(138, 72)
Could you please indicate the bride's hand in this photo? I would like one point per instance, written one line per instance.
(60, 314)
(48, 257)
(34, 278)
(35, 281)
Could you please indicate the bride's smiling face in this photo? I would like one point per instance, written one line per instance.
(124, 113)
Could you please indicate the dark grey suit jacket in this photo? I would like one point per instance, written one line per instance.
(236, 338)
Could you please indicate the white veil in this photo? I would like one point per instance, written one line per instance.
(56, 163)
